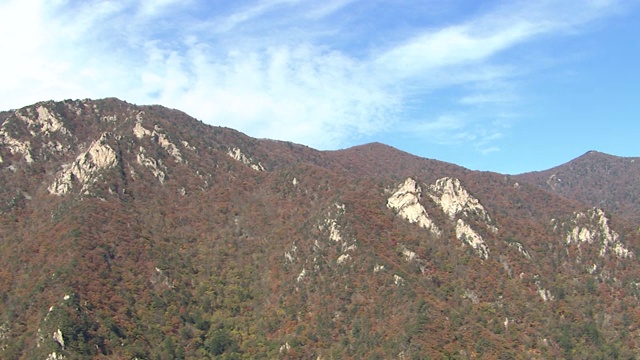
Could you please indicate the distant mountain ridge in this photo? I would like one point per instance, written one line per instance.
(138, 232)
(597, 179)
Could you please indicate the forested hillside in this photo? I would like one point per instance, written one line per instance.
(138, 232)
(595, 178)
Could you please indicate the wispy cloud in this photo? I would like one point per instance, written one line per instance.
(455, 129)
(302, 93)
(325, 8)
(449, 47)
(279, 68)
(250, 12)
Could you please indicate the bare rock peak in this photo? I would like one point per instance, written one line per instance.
(406, 201)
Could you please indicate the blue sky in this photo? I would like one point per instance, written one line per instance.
(506, 86)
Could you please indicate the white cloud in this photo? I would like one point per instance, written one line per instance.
(272, 68)
(299, 93)
(449, 47)
(472, 44)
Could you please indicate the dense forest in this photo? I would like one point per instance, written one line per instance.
(138, 232)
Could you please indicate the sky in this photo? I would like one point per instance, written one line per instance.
(505, 86)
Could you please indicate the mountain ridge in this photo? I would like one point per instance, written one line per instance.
(139, 232)
(367, 147)
(595, 178)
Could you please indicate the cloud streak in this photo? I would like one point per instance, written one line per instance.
(278, 68)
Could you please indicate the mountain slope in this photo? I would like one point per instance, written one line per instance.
(595, 178)
(139, 232)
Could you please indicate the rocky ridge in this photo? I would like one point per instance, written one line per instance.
(453, 200)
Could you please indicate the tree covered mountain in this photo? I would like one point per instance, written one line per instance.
(138, 232)
(598, 179)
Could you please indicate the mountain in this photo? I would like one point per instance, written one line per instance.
(595, 178)
(138, 232)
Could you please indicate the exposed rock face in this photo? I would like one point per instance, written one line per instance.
(342, 258)
(4, 332)
(39, 122)
(521, 249)
(85, 168)
(156, 168)
(45, 121)
(398, 280)
(406, 201)
(592, 227)
(408, 254)
(42, 121)
(55, 356)
(545, 294)
(291, 255)
(467, 235)
(16, 146)
(57, 337)
(237, 154)
(302, 275)
(456, 200)
(140, 132)
(335, 236)
(334, 233)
